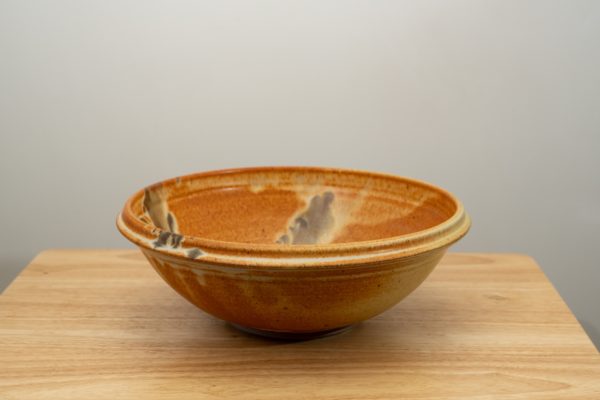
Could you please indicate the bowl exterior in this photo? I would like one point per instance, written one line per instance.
(298, 300)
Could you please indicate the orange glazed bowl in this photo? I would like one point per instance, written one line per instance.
(293, 252)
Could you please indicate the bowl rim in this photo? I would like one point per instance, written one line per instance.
(275, 255)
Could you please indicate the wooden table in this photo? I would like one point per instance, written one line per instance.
(101, 324)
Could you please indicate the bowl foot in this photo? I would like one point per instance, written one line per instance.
(292, 336)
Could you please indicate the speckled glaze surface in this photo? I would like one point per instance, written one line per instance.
(293, 250)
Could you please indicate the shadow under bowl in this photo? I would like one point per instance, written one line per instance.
(293, 251)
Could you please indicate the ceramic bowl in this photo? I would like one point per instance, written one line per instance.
(293, 251)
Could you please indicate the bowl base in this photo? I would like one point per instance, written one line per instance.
(292, 336)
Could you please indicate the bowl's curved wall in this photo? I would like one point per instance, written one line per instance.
(294, 300)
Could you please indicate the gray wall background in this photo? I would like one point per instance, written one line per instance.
(497, 101)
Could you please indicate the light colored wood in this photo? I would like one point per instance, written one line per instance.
(101, 324)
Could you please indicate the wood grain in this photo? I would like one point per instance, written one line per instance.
(100, 324)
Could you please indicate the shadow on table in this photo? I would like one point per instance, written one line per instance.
(405, 329)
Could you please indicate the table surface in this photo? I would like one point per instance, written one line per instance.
(101, 324)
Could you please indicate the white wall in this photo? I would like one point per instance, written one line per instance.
(498, 101)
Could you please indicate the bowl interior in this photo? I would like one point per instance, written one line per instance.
(292, 206)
